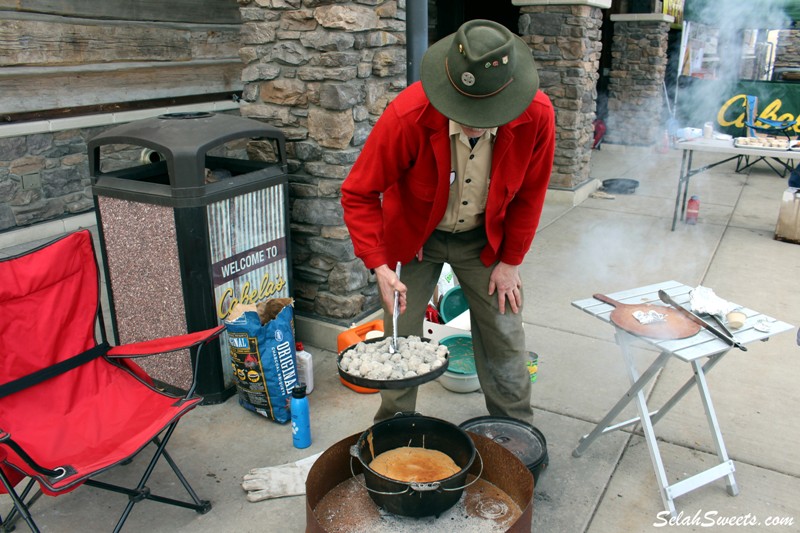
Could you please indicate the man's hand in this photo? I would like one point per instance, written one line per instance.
(388, 282)
(506, 281)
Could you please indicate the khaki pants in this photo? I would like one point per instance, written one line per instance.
(498, 340)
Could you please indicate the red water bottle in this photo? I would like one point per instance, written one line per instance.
(692, 210)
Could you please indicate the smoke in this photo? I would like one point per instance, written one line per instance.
(724, 40)
(732, 16)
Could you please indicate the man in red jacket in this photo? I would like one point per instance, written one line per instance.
(455, 171)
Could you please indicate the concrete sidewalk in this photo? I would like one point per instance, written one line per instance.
(601, 245)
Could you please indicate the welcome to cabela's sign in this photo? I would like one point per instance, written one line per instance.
(725, 103)
(248, 245)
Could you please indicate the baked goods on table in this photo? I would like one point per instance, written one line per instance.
(774, 143)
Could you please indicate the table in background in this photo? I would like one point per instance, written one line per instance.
(733, 152)
(693, 350)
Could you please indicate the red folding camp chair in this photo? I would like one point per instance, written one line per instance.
(70, 407)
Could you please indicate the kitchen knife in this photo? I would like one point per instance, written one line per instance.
(697, 320)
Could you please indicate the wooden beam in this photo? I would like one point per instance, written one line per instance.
(26, 89)
(220, 11)
(117, 107)
(31, 42)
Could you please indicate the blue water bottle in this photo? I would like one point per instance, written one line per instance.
(301, 421)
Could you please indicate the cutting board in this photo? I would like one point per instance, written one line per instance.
(674, 326)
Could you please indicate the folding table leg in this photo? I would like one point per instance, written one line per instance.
(683, 184)
(647, 427)
(604, 426)
(691, 382)
(716, 434)
(739, 166)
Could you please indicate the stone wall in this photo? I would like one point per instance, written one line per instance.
(43, 176)
(787, 53)
(566, 44)
(635, 90)
(323, 73)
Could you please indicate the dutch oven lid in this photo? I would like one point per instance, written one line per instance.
(521, 439)
(620, 185)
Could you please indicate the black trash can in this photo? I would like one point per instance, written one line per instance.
(189, 226)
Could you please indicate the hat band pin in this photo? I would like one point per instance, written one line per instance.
(472, 95)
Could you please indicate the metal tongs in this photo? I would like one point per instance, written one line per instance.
(727, 336)
(395, 313)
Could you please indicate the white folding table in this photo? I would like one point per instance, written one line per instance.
(702, 351)
(730, 152)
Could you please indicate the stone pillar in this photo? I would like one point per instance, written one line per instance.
(565, 38)
(323, 73)
(636, 87)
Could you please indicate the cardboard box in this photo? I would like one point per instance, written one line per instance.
(436, 332)
(788, 226)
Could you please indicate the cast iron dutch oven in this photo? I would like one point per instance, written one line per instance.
(414, 430)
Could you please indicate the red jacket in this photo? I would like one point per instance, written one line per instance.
(407, 160)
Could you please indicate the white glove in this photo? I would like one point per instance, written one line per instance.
(278, 481)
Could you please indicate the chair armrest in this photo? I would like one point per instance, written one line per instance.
(777, 124)
(166, 344)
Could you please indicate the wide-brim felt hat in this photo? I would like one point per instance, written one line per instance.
(481, 76)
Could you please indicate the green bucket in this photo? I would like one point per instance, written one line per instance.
(452, 304)
(461, 359)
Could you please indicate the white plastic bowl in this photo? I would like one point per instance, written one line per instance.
(456, 382)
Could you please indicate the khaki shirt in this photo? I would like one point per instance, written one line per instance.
(469, 180)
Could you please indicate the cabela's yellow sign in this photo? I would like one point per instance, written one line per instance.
(733, 112)
(248, 294)
(726, 101)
